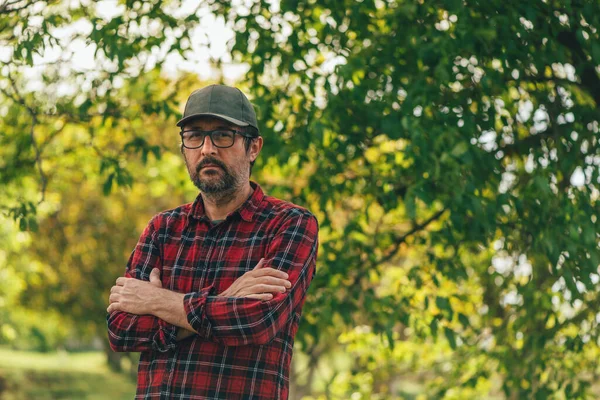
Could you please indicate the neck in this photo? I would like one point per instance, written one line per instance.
(218, 205)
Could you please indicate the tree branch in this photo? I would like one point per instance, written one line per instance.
(38, 157)
(401, 239)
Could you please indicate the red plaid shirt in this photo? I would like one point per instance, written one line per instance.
(243, 348)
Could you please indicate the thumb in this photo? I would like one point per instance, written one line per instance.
(260, 264)
(155, 277)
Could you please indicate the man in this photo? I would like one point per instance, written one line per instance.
(213, 291)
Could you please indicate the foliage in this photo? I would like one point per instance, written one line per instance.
(449, 148)
(471, 124)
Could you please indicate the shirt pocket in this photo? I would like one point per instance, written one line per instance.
(232, 259)
(186, 267)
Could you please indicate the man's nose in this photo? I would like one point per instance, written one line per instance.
(208, 147)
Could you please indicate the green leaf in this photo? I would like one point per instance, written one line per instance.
(459, 149)
(451, 337)
(464, 320)
(107, 187)
(390, 336)
(433, 327)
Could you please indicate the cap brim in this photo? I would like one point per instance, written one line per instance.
(223, 117)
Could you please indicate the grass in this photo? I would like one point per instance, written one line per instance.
(45, 376)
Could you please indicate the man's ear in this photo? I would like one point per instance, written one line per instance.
(255, 148)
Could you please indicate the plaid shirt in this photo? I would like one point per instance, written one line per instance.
(243, 348)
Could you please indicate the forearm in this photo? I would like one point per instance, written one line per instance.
(168, 306)
(170, 309)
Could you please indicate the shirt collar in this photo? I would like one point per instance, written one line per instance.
(246, 210)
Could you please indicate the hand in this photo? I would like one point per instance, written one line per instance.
(260, 283)
(133, 295)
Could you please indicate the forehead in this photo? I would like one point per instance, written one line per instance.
(208, 123)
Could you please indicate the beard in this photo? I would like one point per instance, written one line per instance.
(216, 181)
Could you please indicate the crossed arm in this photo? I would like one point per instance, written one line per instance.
(144, 316)
(139, 297)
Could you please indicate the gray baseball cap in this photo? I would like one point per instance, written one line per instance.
(225, 102)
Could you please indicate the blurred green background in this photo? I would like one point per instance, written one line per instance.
(450, 150)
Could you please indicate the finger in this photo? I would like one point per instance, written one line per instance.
(113, 298)
(121, 281)
(261, 296)
(155, 274)
(262, 288)
(271, 280)
(260, 264)
(272, 272)
(112, 307)
(155, 277)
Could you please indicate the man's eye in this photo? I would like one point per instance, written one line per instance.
(193, 135)
(222, 134)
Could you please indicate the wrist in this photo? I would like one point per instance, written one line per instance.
(161, 301)
(169, 307)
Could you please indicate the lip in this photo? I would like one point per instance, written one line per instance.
(210, 166)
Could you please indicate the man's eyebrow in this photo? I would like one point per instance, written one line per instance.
(218, 127)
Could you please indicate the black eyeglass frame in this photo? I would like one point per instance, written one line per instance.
(210, 133)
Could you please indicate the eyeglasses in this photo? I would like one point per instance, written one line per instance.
(221, 138)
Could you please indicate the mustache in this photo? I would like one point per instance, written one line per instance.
(208, 161)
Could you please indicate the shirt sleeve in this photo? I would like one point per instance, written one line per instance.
(129, 332)
(237, 321)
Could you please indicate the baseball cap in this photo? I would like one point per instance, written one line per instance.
(220, 101)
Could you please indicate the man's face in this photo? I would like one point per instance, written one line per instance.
(217, 170)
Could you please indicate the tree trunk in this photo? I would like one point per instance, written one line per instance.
(113, 359)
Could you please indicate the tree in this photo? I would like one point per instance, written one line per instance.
(478, 124)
